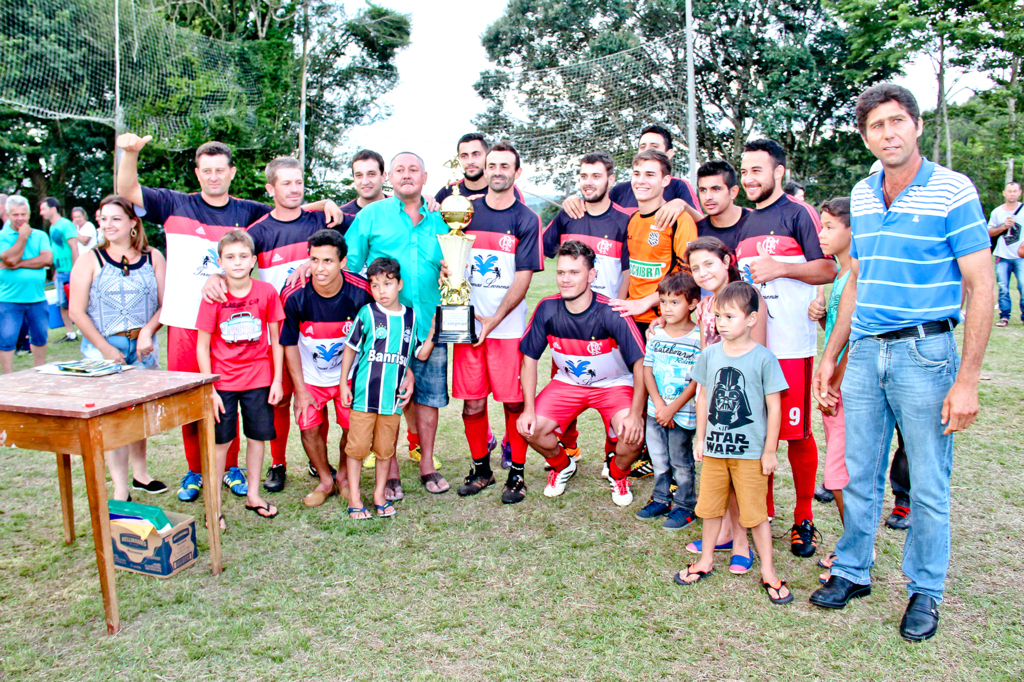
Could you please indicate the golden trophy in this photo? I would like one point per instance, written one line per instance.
(455, 322)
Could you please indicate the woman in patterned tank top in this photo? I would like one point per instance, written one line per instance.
(115, 297)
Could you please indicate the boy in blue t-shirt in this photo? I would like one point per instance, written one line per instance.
(671, 414)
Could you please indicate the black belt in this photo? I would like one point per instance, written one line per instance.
(921, 330)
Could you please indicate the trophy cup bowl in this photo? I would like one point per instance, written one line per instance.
(456, 322)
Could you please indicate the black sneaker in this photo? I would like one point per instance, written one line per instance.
(642, 467)
(823, 494)
(276, 475)
(899, 519)
(314, 474)
(474, 484)
(154, 487)
(803, 539)
(514, 491)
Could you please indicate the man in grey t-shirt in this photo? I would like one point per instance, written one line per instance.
(1005, 223)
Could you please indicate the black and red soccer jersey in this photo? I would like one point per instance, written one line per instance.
(281, 245)
(605, 234)
(788, 232)
(352, 208)
(446, 191)
(507, 241)
(319, 326)
(192, 228)
(595, 348)
(729, 235)
(622, 194)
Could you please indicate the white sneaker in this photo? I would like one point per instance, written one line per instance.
(621, 494)
(606, 472)
(558, 479)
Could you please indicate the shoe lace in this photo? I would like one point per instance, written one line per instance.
(902, 512)
(806, 533)
(552, 478)
(621, 486)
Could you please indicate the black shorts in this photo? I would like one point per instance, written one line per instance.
(257, 416)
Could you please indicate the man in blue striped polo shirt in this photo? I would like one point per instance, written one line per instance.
(919, 235)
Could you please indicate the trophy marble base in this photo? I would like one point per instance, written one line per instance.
(455, 324)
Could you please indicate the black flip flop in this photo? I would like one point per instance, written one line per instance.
(778, 590)
(678, 577)
(435, 477)
(256, 511)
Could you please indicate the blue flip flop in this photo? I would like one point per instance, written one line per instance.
(738, 564)
(386, 510)
(695, 547)
(358, 510)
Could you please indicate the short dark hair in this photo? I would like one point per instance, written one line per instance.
(838, 207)
(330, 238)
(50, 202)
(236, 237)
(214, 149)
(679, 283)
(718, 167)
(658, 130)
(473, 137)
(740, 294)
(1012, 182)
(877, 95)
(792, 187)
(599, 157)
(388, 267)
(368, 155)
(654, 155)
(576, 249)
(773, 148)
(505, 146)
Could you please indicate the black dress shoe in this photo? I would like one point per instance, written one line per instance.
(921, 619)
(838, 592)
(823, 494)
(276, 475)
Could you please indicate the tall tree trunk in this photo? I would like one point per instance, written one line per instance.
(949, 139)
(1011, 105)
(941, 104)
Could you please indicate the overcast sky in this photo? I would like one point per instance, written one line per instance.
(434, 103)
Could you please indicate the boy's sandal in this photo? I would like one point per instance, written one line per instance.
(739, 564)
(778, 591)
(386, 510)
(393, 490)
(258, 511)
(221, 521)
(696, 546)
(827, 561)
(359, 510)
(437, 479)
(680, 578)
(1002, 322)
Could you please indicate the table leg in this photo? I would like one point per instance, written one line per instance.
(67, 508)
(208, 454)
(96, 485)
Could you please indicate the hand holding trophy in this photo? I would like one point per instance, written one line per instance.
(456, 322)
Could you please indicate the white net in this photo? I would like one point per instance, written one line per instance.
(556, 115)
(57, 60)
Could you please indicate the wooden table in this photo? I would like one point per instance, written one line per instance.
(90, 415)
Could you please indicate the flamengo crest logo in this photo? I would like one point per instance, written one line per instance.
(594, 348)
(603, 247)
(770, 244)
(507, 243)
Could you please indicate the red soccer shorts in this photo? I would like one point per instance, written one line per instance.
(491, 368)
(562, 402)
(796, 400)
(315, 413)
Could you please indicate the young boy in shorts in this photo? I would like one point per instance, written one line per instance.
(738, 418)
(671, 412)
(239, 340)
(384, 337)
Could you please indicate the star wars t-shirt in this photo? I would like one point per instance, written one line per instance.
(737, 415)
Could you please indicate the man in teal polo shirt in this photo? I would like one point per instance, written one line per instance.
(401, 227)
(24, 256)
(64, 240)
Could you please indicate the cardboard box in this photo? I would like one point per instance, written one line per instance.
(160, 554)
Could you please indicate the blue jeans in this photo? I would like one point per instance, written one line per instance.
(127, 348)
(59, 280)
(890, 382)
(431, 378)
(13, 315)
(672, 448)
(1004, 268)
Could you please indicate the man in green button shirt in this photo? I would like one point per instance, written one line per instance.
(64, 238)
(402, 227)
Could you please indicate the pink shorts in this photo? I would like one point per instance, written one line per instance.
(836, 476)
(562, 402)
(492, 368)
(317, 412)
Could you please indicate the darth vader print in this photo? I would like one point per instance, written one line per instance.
(729, 407)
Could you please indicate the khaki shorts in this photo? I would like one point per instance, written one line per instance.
(718, 475)
(369, 430)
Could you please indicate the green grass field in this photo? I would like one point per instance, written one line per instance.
(467, 589)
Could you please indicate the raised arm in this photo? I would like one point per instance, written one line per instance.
(128, 185)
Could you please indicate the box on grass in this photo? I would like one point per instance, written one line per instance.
(160, 554)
